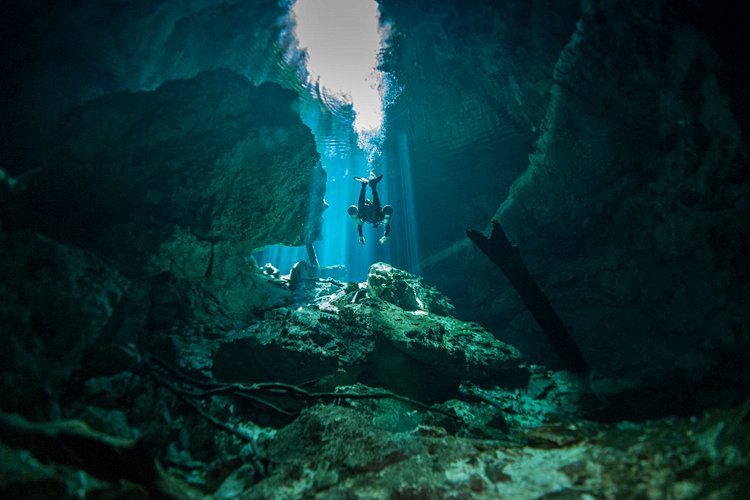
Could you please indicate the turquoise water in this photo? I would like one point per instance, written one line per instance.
(343, 160)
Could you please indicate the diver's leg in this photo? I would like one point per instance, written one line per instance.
(362, 197)
(373, 186)
(375, 198)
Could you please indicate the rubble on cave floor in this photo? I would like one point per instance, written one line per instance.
(370, 451)
(384, 449)
(357, 390)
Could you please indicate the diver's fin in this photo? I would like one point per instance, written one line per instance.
(374, 180)
(361, 179)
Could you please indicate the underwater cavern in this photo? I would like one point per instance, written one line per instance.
(549, 298)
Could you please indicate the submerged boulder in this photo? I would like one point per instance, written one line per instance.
(455, 348)
(405, 290)
(373, 341)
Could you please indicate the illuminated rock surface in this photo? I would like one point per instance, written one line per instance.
(366, 339)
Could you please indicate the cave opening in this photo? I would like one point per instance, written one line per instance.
(337, 49)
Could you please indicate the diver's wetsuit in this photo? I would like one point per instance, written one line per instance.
(371, 212)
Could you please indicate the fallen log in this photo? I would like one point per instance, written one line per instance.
(507, 257)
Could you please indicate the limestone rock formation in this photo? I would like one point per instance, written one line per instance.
(143, 220)
(631, 211)
(174, 171)
(371, 339)
(406, 290)
(57, 301)
(474, 83)
(633, 203)
(65, 55)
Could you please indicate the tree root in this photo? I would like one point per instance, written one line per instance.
(258, 392)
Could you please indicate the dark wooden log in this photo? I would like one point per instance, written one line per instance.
(507, 257)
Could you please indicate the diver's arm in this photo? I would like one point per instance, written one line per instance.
(385, 236)
(387, 213)
(353, 212)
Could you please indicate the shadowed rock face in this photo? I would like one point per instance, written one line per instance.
(475, 80)
(172, 188)
(631, 211)
(212, 156)
(57, 300)
(641, 165)
(64, 54)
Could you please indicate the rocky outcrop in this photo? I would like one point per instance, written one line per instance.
(173, 189)
(370, 339)
(155, 180)
(406, 290)
(57, 301)
(631, 211)
(65, 55)
(633, 203)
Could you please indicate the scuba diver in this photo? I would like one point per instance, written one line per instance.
(371, 211)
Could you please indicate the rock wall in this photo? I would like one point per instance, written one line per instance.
(474, 79)
(60, 56)
(145, 217)
(210, 159)
(631, 212)
(57, 301)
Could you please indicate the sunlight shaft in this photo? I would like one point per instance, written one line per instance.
(343, 41)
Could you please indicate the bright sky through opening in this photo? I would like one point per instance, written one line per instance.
(343, 40)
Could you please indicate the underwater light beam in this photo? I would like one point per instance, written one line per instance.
(343, 41)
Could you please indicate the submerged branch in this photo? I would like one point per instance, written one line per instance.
(507, 257)
(273, 389)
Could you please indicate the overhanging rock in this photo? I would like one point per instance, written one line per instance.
(212, 156)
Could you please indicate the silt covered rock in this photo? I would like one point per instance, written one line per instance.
(370, 340)
(405, 290)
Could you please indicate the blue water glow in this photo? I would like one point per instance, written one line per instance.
(351, 144)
